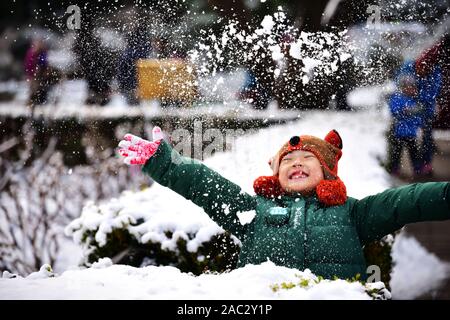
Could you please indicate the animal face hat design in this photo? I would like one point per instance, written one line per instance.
(331, 190)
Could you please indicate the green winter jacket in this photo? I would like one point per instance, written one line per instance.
(299, 232)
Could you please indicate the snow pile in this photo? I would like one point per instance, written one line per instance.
(44, 272)
(417, 271)
(125, 282)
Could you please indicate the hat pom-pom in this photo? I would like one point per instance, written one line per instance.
(268, 186)
(332, 192)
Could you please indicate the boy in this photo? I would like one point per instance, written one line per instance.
(304, 218)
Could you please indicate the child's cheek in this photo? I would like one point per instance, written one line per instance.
(283, 178)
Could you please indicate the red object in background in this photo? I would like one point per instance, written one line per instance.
(439, 54)
(35, 59)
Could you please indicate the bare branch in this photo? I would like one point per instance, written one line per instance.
(8, 144)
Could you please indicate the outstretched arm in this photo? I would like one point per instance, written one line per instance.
(220, 198)
(378, 215)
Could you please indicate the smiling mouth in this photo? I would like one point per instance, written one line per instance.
(296, 175)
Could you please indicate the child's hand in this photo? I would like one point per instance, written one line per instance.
(136, 150)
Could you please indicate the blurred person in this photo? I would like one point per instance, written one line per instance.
(434, 60)
(254, 92)
(96, 63)
(428, 87)
(40, 75)
(165, 48)
(259, 86)
(162, 48)
(289, 79)
(138, 47)
(407, 113)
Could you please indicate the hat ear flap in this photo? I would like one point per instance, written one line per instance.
(334, 138)
(331, 192)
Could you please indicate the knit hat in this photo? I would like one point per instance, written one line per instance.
(331, 191)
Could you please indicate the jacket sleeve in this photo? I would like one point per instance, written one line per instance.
(220, 198)
(396, 104)
(381, 214)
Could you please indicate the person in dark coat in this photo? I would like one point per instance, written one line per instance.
(438, 56)
(407, 113)
(428, 87)
(96, 63)
(40, 75)
(435, 59)
(138, 47)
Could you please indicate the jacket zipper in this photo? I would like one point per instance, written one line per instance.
(304, 234)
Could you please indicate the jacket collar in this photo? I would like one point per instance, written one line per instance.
(287, 200)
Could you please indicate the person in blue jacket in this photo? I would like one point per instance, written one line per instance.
(428, 87)
(407, 111)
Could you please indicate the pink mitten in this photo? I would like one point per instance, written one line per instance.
(136, 150)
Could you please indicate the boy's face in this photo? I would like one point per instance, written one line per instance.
(409, 89)
(300, 171)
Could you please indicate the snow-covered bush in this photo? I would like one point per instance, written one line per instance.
(129, 232)
(31, 211)
(378, 253)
